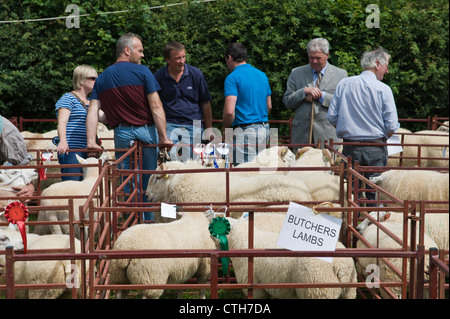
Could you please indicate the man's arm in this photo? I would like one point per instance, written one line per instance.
(228, 111)
(207, 114)
(91, 125)
(159, 117)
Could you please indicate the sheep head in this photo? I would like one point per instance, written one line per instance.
(382, 217)
(10, 237)
(17, 177)
(309, 156)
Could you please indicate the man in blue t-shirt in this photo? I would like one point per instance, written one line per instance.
(186, 100)
(247, 105)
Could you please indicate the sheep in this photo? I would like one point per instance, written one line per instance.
(420, 185)
(210, 186)
(189, 232)
(443, 127)
(289, 269)
(41, 272)
(67, 188)
(276, 156)
(14, 178)
(378, 238)
(438, 154)
(322, 185)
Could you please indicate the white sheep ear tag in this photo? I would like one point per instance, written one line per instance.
(305, 230)
(169, 211)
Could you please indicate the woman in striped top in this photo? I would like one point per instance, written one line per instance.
(71, 111)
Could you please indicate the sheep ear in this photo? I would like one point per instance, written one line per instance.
(386, 217)
(79, 158)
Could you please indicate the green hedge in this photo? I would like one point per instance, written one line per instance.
(37, 58)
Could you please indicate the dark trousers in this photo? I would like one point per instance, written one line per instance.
(369, 155)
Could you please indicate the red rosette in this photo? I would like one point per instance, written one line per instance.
(17, 213)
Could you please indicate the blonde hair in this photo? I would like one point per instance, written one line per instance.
(80, 74)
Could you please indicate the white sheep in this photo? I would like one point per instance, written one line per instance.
(67, 188)
(189, 232)
(276, 156)
(10, 179)
(378, 238)
(288, 269)
(41, 272)
(438, 154)
(422, 185)
(443, 127)
(322, 185)
(211, 187)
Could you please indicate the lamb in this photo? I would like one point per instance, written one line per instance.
(420, 185)
(443, 127)
(322, 185)
(438, 154)
(189, 232)
(276, 156)
(11, 178)
(289, 269)
(41, 272)
(67, 188)
(210, 186)
(372, 234)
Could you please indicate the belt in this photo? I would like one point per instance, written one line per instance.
(245, 125)
(128, 125)
(379, 140)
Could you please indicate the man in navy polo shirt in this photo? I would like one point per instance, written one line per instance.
(186, 100)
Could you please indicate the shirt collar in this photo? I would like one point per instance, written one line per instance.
(185, 72)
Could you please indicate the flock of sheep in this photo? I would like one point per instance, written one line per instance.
(190, 231)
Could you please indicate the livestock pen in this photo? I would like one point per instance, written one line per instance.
(118, 211)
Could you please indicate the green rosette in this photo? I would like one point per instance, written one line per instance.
(220, 228)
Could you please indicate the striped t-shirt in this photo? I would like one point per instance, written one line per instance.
(76, 126)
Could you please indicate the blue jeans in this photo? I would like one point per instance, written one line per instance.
(183, 134)
(249, 140)
(70, 158)
(124, 137)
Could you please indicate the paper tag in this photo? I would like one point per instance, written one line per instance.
(303, 230)
(394, 149)
(169, 211)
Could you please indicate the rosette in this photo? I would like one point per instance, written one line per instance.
(220, 228)
(17, 213)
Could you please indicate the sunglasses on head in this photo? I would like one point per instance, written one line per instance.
(93, 78)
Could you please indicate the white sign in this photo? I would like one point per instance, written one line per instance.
(304, 230)
(394, 149)
(169, 211)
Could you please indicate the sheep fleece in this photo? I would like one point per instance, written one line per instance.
(189, 232)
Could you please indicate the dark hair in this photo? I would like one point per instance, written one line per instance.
(172, 46)
(237, 51)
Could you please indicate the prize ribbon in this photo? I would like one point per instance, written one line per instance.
(220, 228)
(45, 156)
(198, 149)
(17, 213)
(209, 150)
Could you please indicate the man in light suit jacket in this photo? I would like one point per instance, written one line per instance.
(302, 92)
